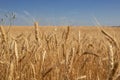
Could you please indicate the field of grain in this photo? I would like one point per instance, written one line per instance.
(59, 53)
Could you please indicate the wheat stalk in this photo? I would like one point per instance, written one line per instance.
(33, 68)
(79, 37)
(110, 39)
(43, 59)
(16, 51)
(71, 59)
(11, 70)
(67, 33)
(36, 32)
(111, 64)
(81, 77)
(3, 34)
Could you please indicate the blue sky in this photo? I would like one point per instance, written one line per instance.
(62, 12)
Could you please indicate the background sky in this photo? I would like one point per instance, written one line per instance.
(62, 12)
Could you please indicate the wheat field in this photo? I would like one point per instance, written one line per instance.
(59, 53)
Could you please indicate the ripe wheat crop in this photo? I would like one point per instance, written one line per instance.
(59, 53)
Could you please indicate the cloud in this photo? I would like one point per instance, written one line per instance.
(3, 10)
(59, 21)
(22, 19)
(29, 15)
